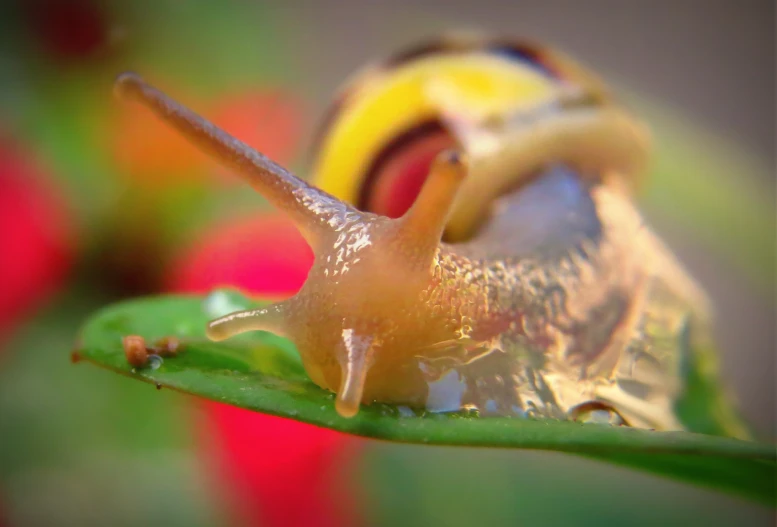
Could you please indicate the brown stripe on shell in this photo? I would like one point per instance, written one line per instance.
(406, 138)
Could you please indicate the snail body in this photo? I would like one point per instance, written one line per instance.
(549, 296)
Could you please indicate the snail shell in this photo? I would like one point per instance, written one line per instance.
(512, 106)
(552, 298)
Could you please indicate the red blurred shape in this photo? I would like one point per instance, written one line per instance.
(276, 472)
(263, 254)
(150, 151)
(268, 120)
(153, 154)
(280, 472)
(68, 29)
(35, 237)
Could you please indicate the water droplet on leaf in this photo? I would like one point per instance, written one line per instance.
(597, 412)
(155, 361)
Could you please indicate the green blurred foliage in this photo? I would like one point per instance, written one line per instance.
(713, 191)
(83, 449)
(417, 486)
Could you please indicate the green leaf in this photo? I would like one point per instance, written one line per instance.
(262, 372)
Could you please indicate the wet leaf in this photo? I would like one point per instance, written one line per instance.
(262, 372)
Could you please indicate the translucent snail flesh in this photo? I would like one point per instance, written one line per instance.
(552, 296)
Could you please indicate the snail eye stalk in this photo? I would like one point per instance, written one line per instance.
(424, 222)
(309, 208)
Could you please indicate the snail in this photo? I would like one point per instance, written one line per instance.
(476, 241)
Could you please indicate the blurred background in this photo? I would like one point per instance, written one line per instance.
(100, 202)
